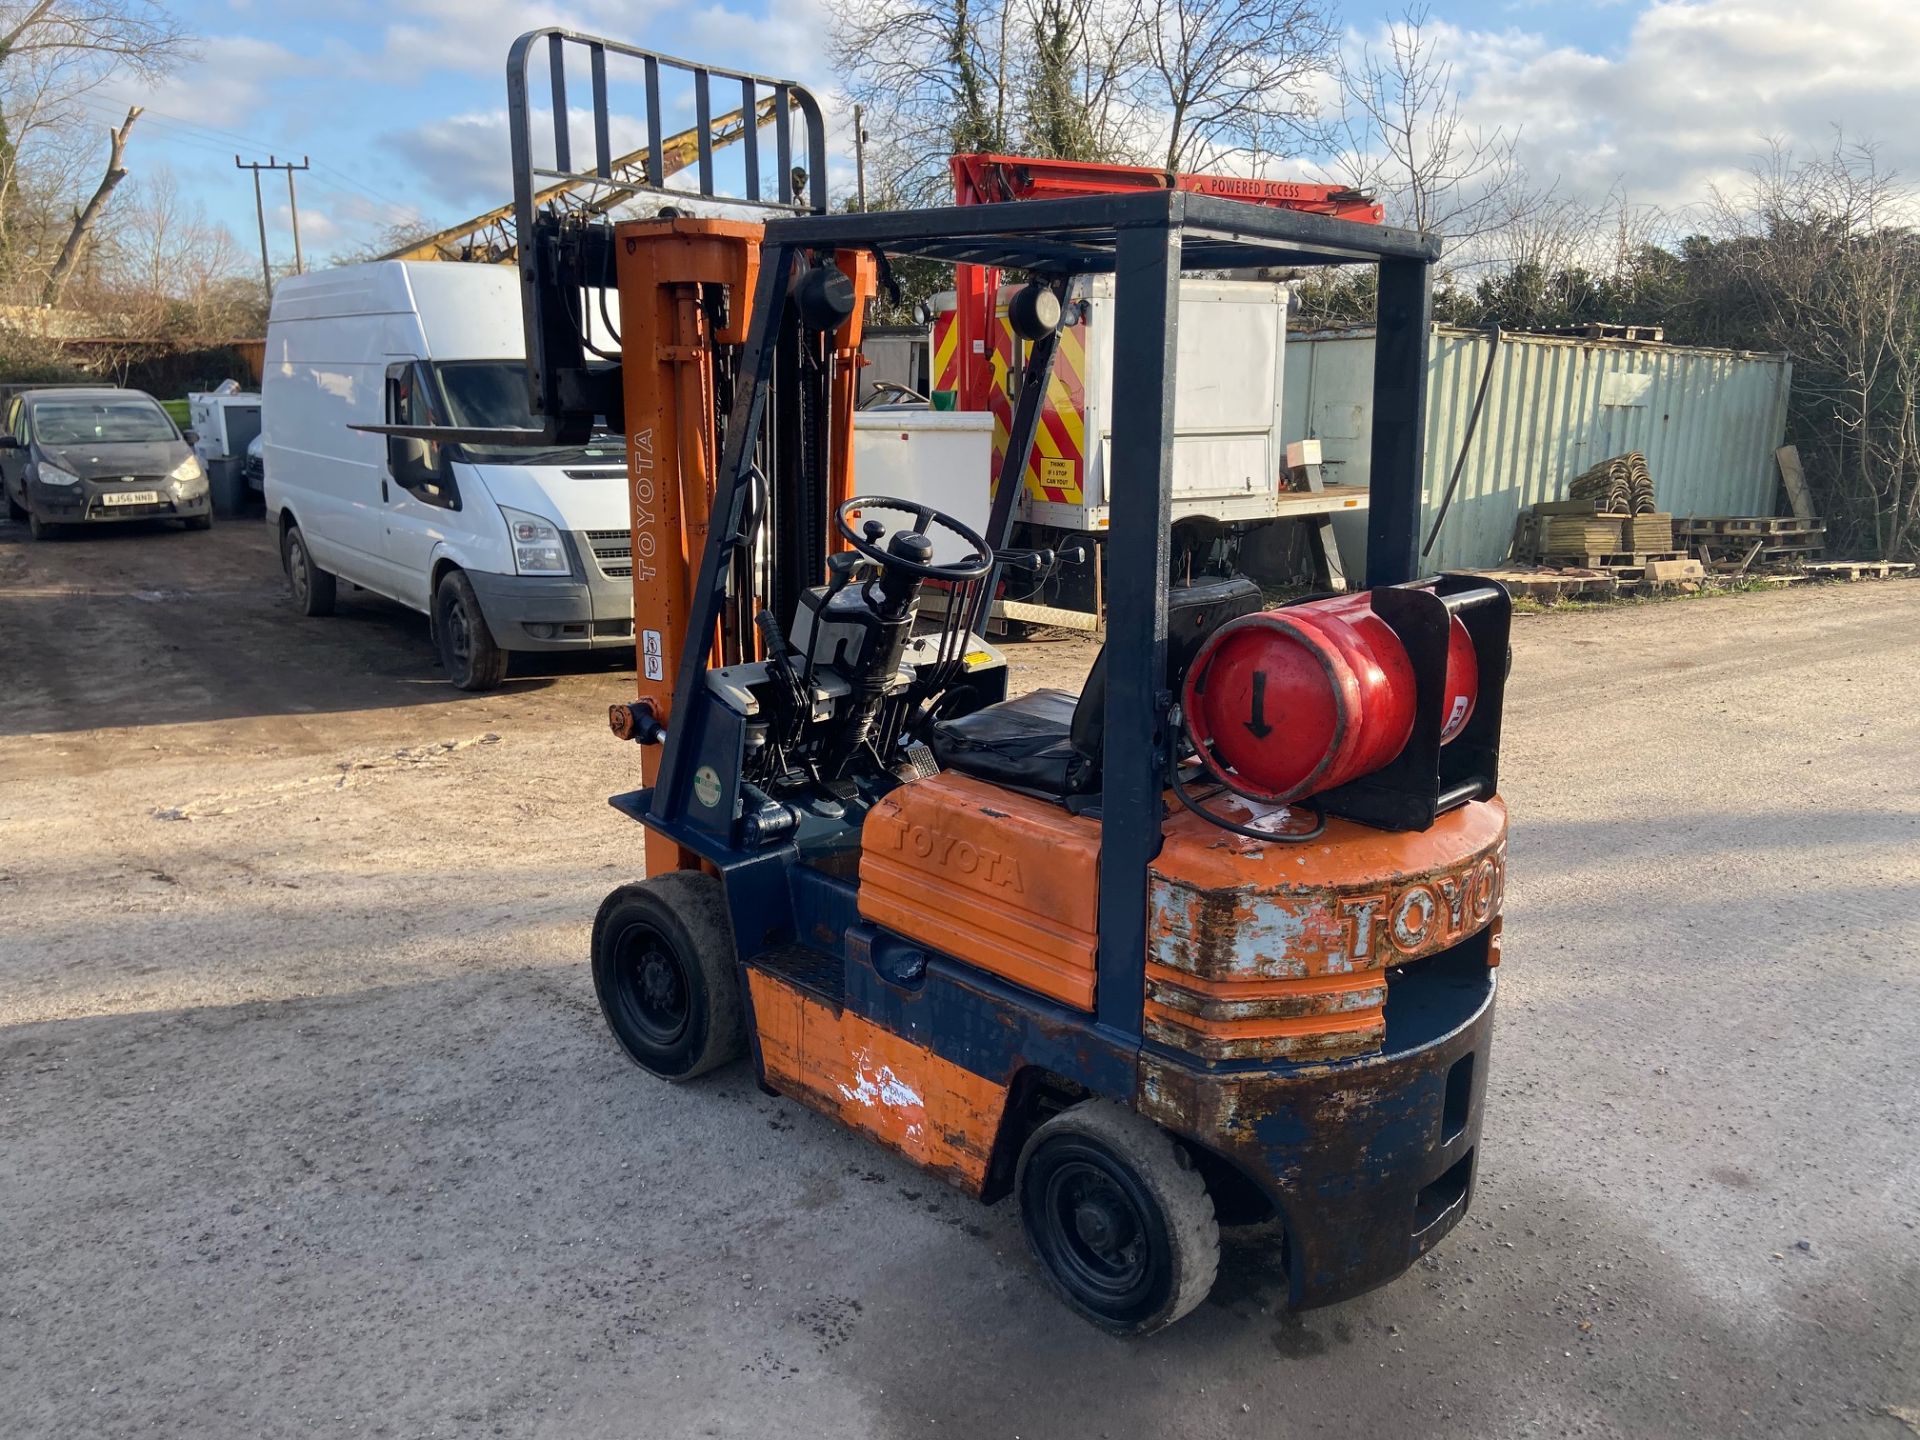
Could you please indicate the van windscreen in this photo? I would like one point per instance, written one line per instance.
(487, 394)
(492, 395)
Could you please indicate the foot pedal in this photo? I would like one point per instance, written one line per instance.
(925, 767)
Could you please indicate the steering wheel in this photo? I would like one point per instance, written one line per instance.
(925, 517)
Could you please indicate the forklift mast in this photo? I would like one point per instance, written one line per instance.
(685, 287)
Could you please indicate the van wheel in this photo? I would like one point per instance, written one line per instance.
(199, 522)
(472, 659)
(314, 590)
(665, 970)
(39, 529)
(1118, 1217)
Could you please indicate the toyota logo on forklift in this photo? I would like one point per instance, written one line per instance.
(1173, 952)
(1426, 915)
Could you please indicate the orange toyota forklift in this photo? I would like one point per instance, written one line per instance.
(1212, 941)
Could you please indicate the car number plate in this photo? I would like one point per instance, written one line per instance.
(130, 497)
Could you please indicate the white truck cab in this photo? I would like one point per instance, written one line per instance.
(504, 548)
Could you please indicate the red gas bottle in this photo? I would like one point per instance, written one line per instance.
(1291, 702)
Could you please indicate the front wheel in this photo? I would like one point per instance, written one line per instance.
(39, 529)
(664, 969)
(199, 522)
(471, 656)
(1118, 1218)
(314, 589)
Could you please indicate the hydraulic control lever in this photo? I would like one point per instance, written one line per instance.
(1039, 562)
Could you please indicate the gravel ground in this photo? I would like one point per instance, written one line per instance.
(309, 1125)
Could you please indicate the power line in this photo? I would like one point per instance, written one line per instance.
(214, 140)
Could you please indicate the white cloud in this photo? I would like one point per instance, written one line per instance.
(476, 34)
(229, 82)
(318, 228)
(1697, 90)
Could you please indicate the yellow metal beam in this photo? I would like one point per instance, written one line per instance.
(489, 238)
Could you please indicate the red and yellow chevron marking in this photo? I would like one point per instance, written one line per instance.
(1056, 468)
(946, 351)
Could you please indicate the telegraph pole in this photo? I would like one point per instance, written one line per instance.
(860, 157)
(274, 162)
(293, 210)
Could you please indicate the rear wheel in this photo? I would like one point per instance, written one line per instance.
(664, 969)
(314, 590)
(1118, 1218)
(471, 656)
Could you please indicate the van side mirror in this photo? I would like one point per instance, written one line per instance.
(192, 437)
(411, 460)
(9, 442)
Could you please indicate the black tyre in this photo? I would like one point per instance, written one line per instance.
(39, 529)
(1118, 1218)
(16, 512)
(314, 590)
(471, 657)
(664, 969)
(199, 522)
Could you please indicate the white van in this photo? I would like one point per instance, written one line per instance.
(503, 548)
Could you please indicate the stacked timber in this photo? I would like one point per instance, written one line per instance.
(1580, 535)
(1645, 533)
(1607, 522)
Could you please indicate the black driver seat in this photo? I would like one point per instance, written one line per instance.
(1051, 743)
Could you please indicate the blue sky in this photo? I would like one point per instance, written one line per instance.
(400, 104)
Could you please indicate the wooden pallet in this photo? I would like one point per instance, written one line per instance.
(1856, 569)
(1646, 574)
(1596, 331)
(1615, 559)
(1747, 525)
(1737, 554)
(1550, 585)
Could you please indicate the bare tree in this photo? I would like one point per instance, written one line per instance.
(1407, 141)
(53, 54)
(1176, 82)
(168, 272)
(1822, 256)
(88, 214)
(1081, 55)
(934, 75)
(1232, 77)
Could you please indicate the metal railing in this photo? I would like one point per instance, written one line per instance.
(789, 100)
(565, 253)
